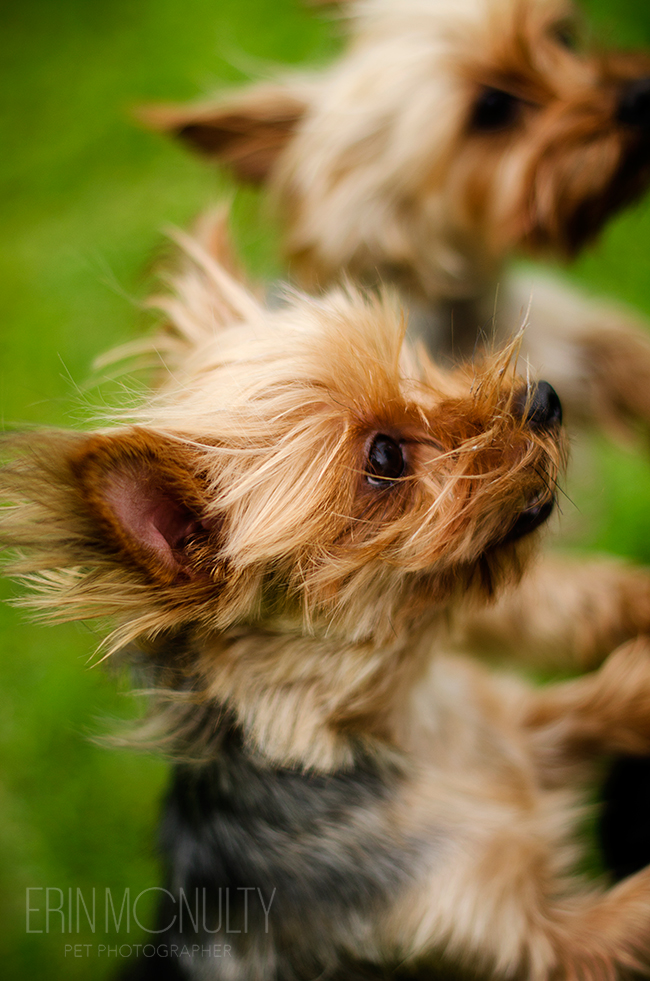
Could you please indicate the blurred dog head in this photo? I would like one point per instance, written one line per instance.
(448, 134)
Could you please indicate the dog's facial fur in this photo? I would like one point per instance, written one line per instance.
(446, 136)
(300, 470)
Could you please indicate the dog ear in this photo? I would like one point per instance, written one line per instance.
(144, 500)
(246, 131)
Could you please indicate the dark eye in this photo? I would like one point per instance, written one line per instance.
(566, 35)
(495, 110)
(385, 461)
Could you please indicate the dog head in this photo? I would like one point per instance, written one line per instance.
(300, 465)
(447, 135)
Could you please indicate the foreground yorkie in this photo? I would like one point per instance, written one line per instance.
(448, 135)
(282, 534)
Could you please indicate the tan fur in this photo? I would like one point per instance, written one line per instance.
(498, 895)
(255, 452)
(565, 613)
(234, 531)
(252, 151)
(382, 175)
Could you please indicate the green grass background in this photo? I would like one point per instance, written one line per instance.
(84, 194)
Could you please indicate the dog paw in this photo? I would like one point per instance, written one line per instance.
(620, 700)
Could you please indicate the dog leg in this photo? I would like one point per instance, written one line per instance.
(604, 712)
(618, 361)
(595, 354)
(564, 614)
(501, 907)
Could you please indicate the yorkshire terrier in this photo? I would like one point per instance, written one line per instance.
(449, 135)
(283, 534)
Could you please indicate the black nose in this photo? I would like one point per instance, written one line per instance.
(541, 406)
(634, 104)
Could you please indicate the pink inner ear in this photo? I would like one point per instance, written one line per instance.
(148, 515)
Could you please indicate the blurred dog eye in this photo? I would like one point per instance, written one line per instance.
(566, 35)
(385, 461)
(495, 110)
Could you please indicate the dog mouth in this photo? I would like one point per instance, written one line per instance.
(536, 512)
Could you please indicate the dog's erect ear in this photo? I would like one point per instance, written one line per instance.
(246, 130)
(141, 492)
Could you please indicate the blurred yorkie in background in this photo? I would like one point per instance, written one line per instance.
(449, 135)
(281, 534)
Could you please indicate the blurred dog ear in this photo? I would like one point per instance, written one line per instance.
(247, 130)
(143, 496)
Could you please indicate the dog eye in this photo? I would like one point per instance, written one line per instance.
(495, 110)
(385, 461)
(566, 35)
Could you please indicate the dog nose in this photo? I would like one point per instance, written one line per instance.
(634, 105)
(541, 406)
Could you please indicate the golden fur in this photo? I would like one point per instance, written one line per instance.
(243, 477)
(383, 168)
(236, 533)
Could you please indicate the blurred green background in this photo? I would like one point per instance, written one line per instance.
(84, 195)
